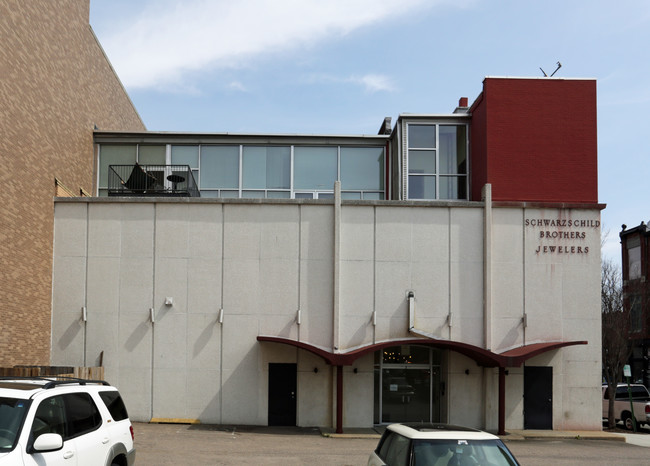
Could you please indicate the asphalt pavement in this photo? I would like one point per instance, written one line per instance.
(162, 444)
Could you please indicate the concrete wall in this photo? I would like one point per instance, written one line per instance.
(262, 261)
(56, 85)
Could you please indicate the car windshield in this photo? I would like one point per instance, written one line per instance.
(461, 452)
(12, 414)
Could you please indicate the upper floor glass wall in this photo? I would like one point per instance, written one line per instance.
(437, 161)
(259, 171)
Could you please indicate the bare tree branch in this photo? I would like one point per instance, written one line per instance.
(616, 348)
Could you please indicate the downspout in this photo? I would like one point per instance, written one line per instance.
(410, 299)
(336, 305)
(487, 267)
(336, 267)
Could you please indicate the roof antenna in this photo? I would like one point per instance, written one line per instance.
(559, 65)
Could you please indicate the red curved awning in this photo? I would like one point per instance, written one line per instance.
(517, 356)
(511, 358)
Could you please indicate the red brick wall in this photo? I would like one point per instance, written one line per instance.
(56, 85)
(536, 140)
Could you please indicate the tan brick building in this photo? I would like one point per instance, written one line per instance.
(56, 85)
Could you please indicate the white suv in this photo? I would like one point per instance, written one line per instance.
(44, 421)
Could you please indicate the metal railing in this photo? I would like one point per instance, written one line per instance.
(151, 180)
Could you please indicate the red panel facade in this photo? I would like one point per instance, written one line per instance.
(535, 140)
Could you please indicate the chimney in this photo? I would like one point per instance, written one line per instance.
(385, 126)
(462, 106)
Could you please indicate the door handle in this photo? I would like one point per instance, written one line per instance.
(68, 454)
(105, 440)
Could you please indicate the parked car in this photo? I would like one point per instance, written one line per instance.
(622, 409)
(423, 444)
(45, 422)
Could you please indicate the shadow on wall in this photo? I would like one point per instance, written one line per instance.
(70, 334)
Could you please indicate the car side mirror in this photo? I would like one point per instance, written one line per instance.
(48, 442)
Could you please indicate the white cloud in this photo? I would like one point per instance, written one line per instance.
(375, 82)
(167, 41)
(370, 82)
(237, 86)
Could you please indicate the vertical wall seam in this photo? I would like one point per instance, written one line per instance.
(487, 265)
(373, 315)
(449, 273)
(223, 248)
(298, 295)
(85, 303)
(337, 258)
(523, 274)
(153, 306)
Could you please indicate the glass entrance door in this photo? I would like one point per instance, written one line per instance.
(407, 385)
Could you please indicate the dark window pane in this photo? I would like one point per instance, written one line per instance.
(422, 161)
(115, 405)
(422, 187)
(82, 414)
(315, 167)
(453, 150)
(362, 168)
(219, 167)
(50, 418)
(453, 187)
(422, 136)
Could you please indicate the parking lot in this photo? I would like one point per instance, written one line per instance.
(161, 444)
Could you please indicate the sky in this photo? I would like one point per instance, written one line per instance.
(341, 66)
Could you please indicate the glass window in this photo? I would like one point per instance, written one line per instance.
(634, 258)
(636, 314)
(266, 167)
(220, 167)
(12, 414)
(422, 136)
(252, 194)
(185, 155)
(315, 167)
(452, 187)
(82, 415)
(114, 155)
(50, 418)
(115, 405)
(422, 161)
(399, 452)
(453, 150)
(151, 155)
(458, 451)
(422, 187)
(278, 194)
(437, 165)
(406, 355)
(362, 168)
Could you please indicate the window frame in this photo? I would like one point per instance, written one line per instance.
(240, 191)
(436, 174)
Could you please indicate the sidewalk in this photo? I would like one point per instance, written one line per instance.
(514, 435)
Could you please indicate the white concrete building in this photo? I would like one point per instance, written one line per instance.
(476, 305)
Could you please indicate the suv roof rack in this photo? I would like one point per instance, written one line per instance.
(53, 381)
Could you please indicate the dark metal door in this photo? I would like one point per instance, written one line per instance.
(538, 397)
(282, 394)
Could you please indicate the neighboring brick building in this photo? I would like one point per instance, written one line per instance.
(56, 86)
(635, 251)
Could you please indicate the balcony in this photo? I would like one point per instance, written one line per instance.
(151, 180)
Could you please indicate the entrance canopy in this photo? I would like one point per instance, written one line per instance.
(511, 358)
